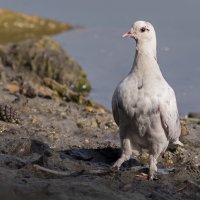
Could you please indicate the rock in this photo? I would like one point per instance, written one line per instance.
(16, 26)
(43, 62)
(12, 88)
(194, 115)
(28, 90)
(127, 187)
(184, 127)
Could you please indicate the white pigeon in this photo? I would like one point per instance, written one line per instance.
(143, 104)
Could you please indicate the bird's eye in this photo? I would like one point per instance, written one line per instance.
(142, 29)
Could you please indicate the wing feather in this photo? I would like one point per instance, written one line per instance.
(115, 107)
(170, 117)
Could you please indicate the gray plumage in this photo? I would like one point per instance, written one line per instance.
(143, 104)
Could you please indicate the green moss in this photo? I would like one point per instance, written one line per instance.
(82, 85)
(59, 88)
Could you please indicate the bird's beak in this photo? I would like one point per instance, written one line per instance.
(129, 34)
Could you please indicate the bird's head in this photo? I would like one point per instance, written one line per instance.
(145, 37)
(141, 31)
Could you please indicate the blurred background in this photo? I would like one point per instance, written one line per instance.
(106, 57)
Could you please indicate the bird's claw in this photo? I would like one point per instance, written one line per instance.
(115, 167)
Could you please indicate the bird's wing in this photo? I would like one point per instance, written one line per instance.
(115, 107)
(170, 117)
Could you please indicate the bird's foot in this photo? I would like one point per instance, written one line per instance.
(151, 176)
(114, 168)
(146, 174)
(118, 163)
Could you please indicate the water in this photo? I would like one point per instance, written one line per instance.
(107, 58)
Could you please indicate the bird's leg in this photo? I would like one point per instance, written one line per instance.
(152, 167)
(157, 149)
(126, 153)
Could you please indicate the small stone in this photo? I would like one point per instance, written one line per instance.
(28, 90)
(12, 88)
(184, 128)
(34, 119)
(45, 92)
(168, 163)
(63, 115)
(127, 187)
(144, 158)
(141, 176)
(87, 141)
(94, 124)
(89, 109)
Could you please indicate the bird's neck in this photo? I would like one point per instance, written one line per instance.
(147, 48)
(145, 59)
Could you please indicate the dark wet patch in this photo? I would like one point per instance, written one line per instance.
(40, 148)
(98, 157)
(11, 162)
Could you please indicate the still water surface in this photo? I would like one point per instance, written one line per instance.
(107, 58)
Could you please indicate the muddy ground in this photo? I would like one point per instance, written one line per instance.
(80, 143)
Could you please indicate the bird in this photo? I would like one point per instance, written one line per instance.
(144, 105)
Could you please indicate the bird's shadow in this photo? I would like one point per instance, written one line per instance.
(100, 157)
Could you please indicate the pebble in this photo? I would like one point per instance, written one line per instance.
(127, 187)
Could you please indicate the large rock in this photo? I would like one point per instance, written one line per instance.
(43, 62)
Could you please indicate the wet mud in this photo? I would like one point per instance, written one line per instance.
(63, 150)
